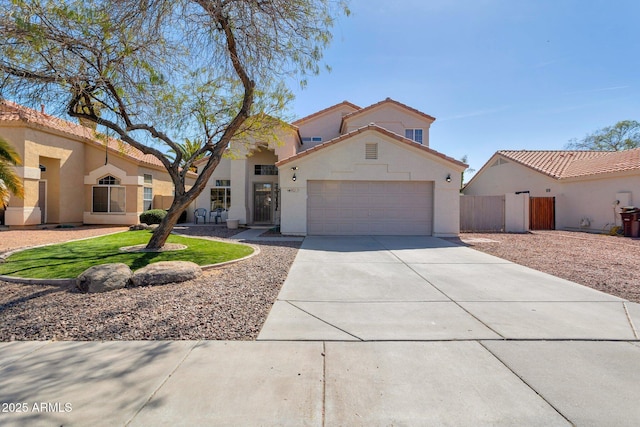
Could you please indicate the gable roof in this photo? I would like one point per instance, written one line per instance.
(375, 128)
(326, 110)
(572, 164)
(383, 102)
(10, 111)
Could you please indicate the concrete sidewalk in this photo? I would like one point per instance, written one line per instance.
(366, 331)
(320, 383)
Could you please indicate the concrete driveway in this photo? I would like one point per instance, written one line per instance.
(367, 331)
(426, 289)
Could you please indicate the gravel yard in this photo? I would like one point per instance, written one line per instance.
(229, 303)
(608, 263)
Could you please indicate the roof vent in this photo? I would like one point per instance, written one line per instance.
(371, 151)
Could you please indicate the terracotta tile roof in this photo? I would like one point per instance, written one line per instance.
(385, 101)
(10, 111)
(571, 164)
(616, 161)
(326, 110)
(375, 128)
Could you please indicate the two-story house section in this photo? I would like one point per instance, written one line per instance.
(344, 170)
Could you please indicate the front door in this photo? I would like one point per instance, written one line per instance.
(263, 202)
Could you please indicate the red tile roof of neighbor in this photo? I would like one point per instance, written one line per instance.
(376, 128)
(572, 164)
(10, 111)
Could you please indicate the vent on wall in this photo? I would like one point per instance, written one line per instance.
(499, 162)
(371, 151)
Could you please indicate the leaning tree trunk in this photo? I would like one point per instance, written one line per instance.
(161, 234)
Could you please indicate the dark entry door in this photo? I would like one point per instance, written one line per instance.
(42, 201)
(263, 202)
(542, 213)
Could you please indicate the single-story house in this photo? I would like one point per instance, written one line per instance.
(584, 190)
(342, 170)
(72, 177)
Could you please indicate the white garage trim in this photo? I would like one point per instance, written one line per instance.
(369, 207)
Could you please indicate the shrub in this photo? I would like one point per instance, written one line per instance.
(153, 216)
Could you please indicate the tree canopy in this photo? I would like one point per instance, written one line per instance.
(155, 72)
(624, 135)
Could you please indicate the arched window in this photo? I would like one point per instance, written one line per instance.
(109, 195)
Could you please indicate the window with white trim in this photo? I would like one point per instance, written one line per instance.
(147, 198)
(221, 195)
(109, 196)
(311, 139)
(414, 135)
(147, 195)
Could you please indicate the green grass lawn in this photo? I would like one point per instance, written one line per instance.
(68, 260)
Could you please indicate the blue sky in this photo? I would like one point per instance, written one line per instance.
(496, 74)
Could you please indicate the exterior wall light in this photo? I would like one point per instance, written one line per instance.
(294, 168)
(448, 178)
(294, 177)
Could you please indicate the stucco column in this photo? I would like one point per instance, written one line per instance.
(25, 211)
(238, 209)
(446, 209)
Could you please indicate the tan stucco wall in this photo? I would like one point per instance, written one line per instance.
(509, 178)
(396, 162)
(122, 169)
(162, 186)
(392, 118)
(516, 213)
(63, 159)
(326, 126)
(594, 199)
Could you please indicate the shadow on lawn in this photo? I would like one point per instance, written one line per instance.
(139, 260)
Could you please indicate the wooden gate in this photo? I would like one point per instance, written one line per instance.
(482, 213)
(542, 213)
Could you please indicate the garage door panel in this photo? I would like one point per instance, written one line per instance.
(370, 207)
(316, 201)
(315, 186)
(360, 214)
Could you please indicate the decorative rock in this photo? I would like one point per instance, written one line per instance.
(103, 278)
(136, 227)
(142, 226)
(161, 273)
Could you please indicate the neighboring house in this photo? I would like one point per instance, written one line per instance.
(588, 188)
(343, 170)
(70, 177)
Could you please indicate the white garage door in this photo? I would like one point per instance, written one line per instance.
(369, 207)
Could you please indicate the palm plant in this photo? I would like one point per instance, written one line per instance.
(190, 151)
(10, 183)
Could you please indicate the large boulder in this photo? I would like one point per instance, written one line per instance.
(104, 277)
(163, 272)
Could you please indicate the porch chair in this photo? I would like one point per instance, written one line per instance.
(200, 213)
(216, 214)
